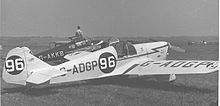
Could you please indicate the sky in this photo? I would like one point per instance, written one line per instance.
(109, 17)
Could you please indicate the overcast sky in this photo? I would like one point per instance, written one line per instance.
(109, 17)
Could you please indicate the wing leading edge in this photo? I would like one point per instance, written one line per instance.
(151, 67)
(175, 67)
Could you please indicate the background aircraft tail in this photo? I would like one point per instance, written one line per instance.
(20, 64)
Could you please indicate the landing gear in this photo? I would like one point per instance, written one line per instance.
(166, 78)
(172, 78)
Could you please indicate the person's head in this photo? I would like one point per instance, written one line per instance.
(78, 27)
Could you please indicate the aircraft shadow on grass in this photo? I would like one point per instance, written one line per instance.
(117, 80)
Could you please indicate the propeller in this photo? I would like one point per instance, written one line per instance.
(176, 48)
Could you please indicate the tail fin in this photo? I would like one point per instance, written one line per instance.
(20, 64)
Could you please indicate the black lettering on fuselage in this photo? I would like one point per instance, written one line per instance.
(94, 64)
(75, 70)
(88, 66)
(83, 67)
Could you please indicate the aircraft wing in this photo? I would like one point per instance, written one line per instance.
(174, 67)
(152, 67)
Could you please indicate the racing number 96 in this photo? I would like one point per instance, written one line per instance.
(14, 65)
(107, 62)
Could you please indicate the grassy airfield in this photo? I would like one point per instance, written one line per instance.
(187, 90)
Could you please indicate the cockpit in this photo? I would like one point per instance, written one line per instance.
(124, 49)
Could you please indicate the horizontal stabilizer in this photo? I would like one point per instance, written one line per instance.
(38, 78)
(42, 76)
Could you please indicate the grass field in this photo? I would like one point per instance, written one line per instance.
(187, 90)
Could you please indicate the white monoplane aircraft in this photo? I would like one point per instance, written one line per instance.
(121, 58)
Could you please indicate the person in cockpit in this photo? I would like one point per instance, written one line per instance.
(78, 32)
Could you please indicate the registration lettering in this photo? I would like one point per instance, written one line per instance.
(52, 55)
(83, 67)
(183, 64)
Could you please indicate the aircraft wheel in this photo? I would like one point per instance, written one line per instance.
(172, 78)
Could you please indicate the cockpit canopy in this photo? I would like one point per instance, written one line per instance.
(124, 48)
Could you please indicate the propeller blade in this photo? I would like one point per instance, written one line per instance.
(178, 49)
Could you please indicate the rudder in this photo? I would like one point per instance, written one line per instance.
(19, 64)
(14, 70)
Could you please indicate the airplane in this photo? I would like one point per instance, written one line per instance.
(56, 54)
(119, 59)
(59, 49)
